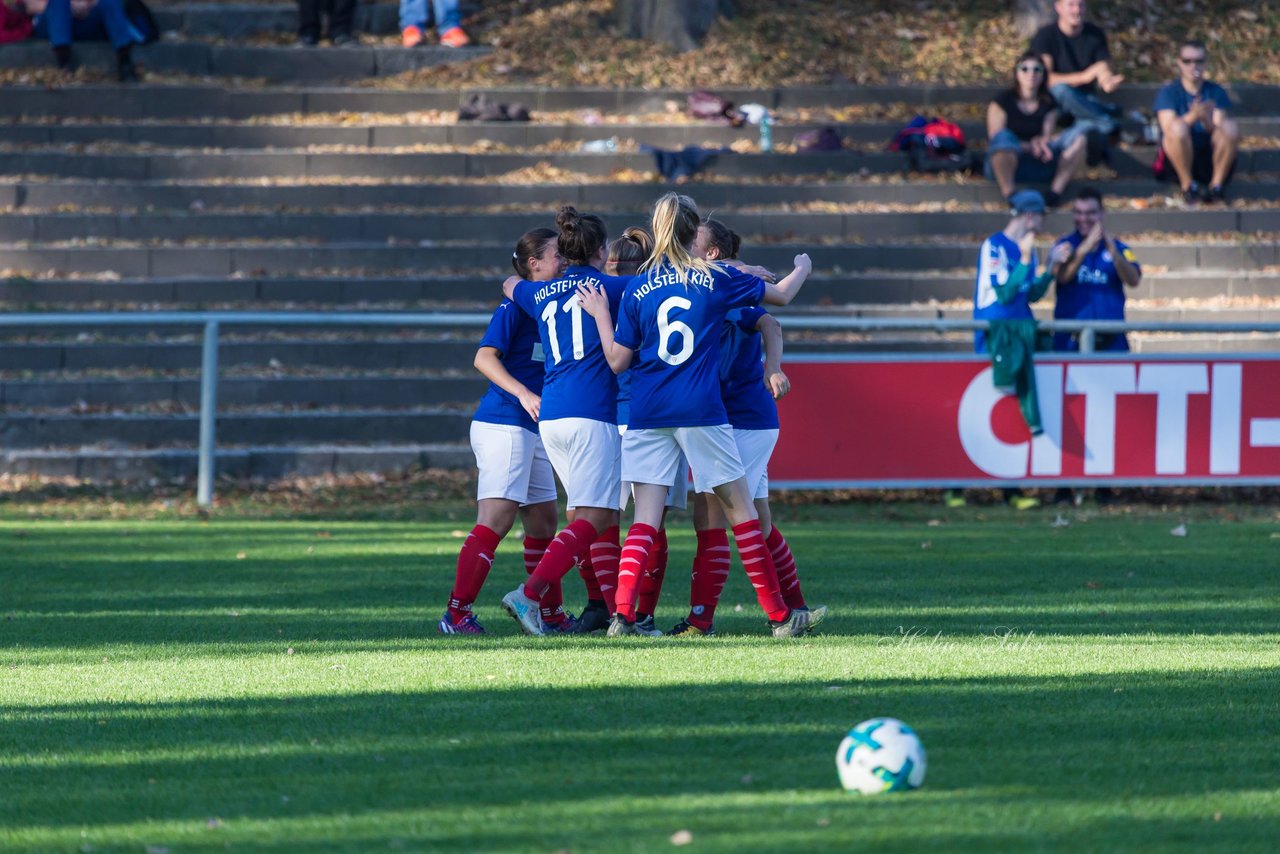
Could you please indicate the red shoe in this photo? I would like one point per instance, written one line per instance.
(454, 37)
(411, 36)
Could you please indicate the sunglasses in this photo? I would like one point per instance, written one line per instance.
(1031, 69)
(1194, 61)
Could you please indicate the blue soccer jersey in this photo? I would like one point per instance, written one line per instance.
(1097, 293)
(624, 398)
(513, 334)
(999, 257)
(747, 402)
(675, 330)
(579, 382)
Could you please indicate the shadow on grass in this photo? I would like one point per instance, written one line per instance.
(1026, 761)
(155, 585)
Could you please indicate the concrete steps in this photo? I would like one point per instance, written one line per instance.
(298, 163)
(264, 258)
(869, 290)
(423, 224)
(172, 101)
(245, 197)
(283, 63)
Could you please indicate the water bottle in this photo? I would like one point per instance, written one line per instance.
(766, 132)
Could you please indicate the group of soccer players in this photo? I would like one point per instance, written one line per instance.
(673, 314)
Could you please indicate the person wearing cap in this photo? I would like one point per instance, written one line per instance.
(1006, 285)
(1006, 282)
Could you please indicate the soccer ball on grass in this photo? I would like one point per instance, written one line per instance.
(880, 755)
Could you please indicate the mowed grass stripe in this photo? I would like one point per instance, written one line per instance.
(1099, 686)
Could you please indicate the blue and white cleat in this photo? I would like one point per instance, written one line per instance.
(468, 625)
(525, 611)
(567, 626)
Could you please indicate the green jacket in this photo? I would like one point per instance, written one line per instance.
(1012, 344)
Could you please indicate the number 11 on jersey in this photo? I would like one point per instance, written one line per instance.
(574, 309)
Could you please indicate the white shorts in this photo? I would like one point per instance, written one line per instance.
(677, 492)
(587, 455)
(652, 455)
(755, 447)
(513, 464)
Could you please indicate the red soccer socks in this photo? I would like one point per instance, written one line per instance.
(568, 547)
(758, 563)
(785, 564)
(474, 561)
(654, 573)
(605, 556)
(635, 556)
(710, 572)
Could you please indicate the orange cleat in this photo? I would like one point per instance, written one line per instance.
(411, 36)
(454, 37)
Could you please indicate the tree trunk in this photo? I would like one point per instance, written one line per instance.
(1031, 15)
(682, 24)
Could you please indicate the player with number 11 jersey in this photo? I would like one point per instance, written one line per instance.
(579, 415)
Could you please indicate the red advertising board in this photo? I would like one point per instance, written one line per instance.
(905, 421)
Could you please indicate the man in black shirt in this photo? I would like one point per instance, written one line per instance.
(1079, 64)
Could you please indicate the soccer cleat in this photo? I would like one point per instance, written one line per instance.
(954, 498)
(525, 611)
(468, 625)
(595, 618)
(1024, 502)
(647, 627)
(454, 37)
(620, 626)
(795, 625)
(411, 36)
(816, 615)
(686, 629)
(567, 626)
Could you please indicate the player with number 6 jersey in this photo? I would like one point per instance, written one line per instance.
(669, 325)
(578, 423)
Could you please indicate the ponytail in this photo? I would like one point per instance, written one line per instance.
(581, 235)
(629, 251)
(675, 225)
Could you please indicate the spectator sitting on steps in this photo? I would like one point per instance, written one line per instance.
(342, 15)
(1020, 126)
(61, 21)
(414, 19)
(1198, 139)
(1076, 56)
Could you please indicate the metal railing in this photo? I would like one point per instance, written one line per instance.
(213, 321)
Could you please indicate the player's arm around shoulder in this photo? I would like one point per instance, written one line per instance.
(785, 291)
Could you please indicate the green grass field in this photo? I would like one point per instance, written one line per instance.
(277, 684)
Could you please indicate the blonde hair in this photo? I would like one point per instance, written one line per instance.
(675, 225)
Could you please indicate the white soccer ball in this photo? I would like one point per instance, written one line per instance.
(880, 755)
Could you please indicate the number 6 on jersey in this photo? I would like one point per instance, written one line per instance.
(668, 327)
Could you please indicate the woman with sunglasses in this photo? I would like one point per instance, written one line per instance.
(1020, 126)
